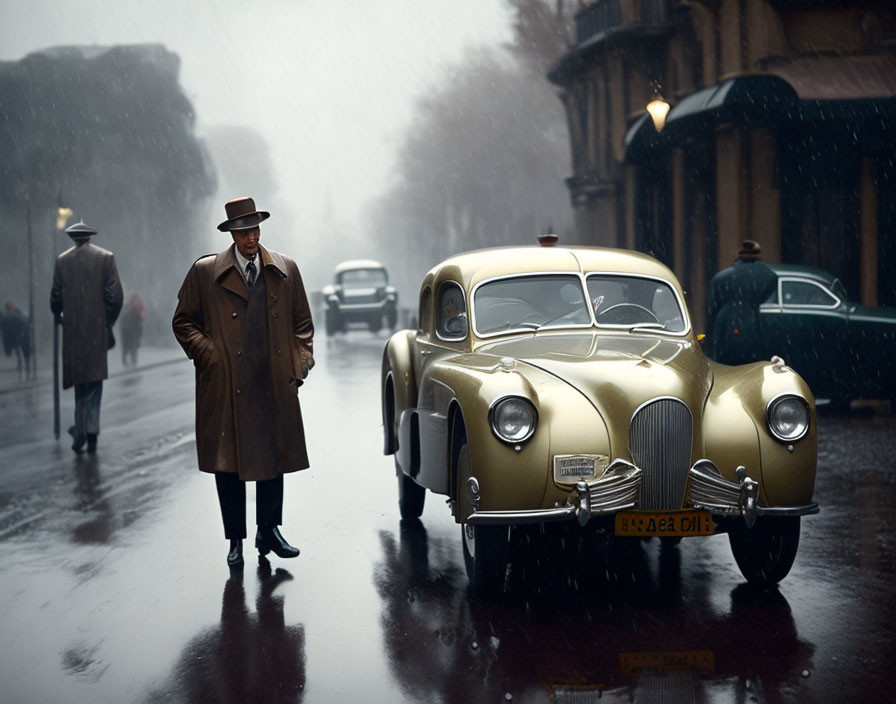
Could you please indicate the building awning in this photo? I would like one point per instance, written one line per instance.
(744, 100)
(642, 138)
(836, 90)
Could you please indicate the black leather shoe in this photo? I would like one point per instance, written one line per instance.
(235, 556)
(91, 442)
(269, 539)
(78, 444)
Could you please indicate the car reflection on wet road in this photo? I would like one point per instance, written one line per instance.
(114, 586)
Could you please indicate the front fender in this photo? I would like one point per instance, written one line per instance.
(736, 432)
(509, 479)
(398, 388)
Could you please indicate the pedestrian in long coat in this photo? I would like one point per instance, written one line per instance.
(87, 297)
(244, 320)
(733, 317)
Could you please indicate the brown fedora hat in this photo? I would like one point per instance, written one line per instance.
(242, 215)
(749, 248)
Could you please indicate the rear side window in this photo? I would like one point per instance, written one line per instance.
(451, 320)
(805, 293)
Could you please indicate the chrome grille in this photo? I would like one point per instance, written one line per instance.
(660, 442)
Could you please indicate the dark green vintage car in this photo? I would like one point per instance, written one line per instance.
(843, 350)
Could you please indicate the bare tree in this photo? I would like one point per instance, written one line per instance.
(543, 31)
(482, 165)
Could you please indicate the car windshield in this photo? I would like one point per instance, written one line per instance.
(530, 302)
(620, 300)
(363, 278)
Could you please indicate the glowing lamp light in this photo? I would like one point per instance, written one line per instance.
(62, 216)
(658, 109)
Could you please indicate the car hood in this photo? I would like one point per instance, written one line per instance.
(872, 314)
(619, 370)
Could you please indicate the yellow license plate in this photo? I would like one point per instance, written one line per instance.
(660, 523)
(694, 660)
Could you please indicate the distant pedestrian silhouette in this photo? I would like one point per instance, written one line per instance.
(733, 315)
(131, 325)
(16, 338)
(86, 297)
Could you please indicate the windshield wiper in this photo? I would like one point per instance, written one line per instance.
(647, 326)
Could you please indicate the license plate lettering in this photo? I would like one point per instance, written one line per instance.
(664, 523)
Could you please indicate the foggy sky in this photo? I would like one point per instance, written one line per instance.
(329, 85)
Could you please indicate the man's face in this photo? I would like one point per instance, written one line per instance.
(247, 241)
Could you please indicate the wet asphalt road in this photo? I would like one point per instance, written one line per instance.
(114, 587)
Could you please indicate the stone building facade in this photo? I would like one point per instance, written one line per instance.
(782, 129)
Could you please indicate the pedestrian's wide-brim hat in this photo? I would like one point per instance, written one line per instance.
(79, 230)
(242, 215)
(749, 248)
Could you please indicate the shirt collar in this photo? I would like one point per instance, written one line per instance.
(241, 261)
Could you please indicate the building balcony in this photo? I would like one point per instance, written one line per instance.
(604, 18)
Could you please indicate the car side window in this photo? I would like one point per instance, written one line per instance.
(451, 320)
(805, 293)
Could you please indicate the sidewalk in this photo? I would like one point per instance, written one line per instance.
(148, 356)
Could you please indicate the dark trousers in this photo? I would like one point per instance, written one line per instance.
(232, 497)
(87, 407)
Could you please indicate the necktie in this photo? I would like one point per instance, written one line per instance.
(250, 274)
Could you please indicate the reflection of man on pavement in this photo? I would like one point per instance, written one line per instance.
(733, 316)
(87, 296)
(249, 657)
(243, 318)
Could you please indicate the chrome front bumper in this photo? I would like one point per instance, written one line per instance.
(616, 490)
(721, 497)
(619, 489)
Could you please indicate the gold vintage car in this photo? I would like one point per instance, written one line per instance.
(567, 384)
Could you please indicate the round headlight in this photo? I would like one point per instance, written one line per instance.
(788, 417)
(513, 419)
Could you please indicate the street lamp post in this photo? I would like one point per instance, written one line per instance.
(62, 216)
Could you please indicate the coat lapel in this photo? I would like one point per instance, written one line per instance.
(227, 276)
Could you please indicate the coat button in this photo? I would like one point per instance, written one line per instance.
(273, 315)
(273, 297)
(239, 353)
(278, 353)
(237, 392)
(233, 315)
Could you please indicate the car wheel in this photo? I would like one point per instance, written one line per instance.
(411, 496)
(332, 321)
(391, 317)
(765, 552)
(375, 323)
(485, 547)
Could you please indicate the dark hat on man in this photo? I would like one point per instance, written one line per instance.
(242, 215)
(79, 230)
(749, 248)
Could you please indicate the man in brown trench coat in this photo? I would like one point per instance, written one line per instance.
(243, 318)
(87, 297)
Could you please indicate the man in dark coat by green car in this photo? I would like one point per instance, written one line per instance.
(735, 296)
